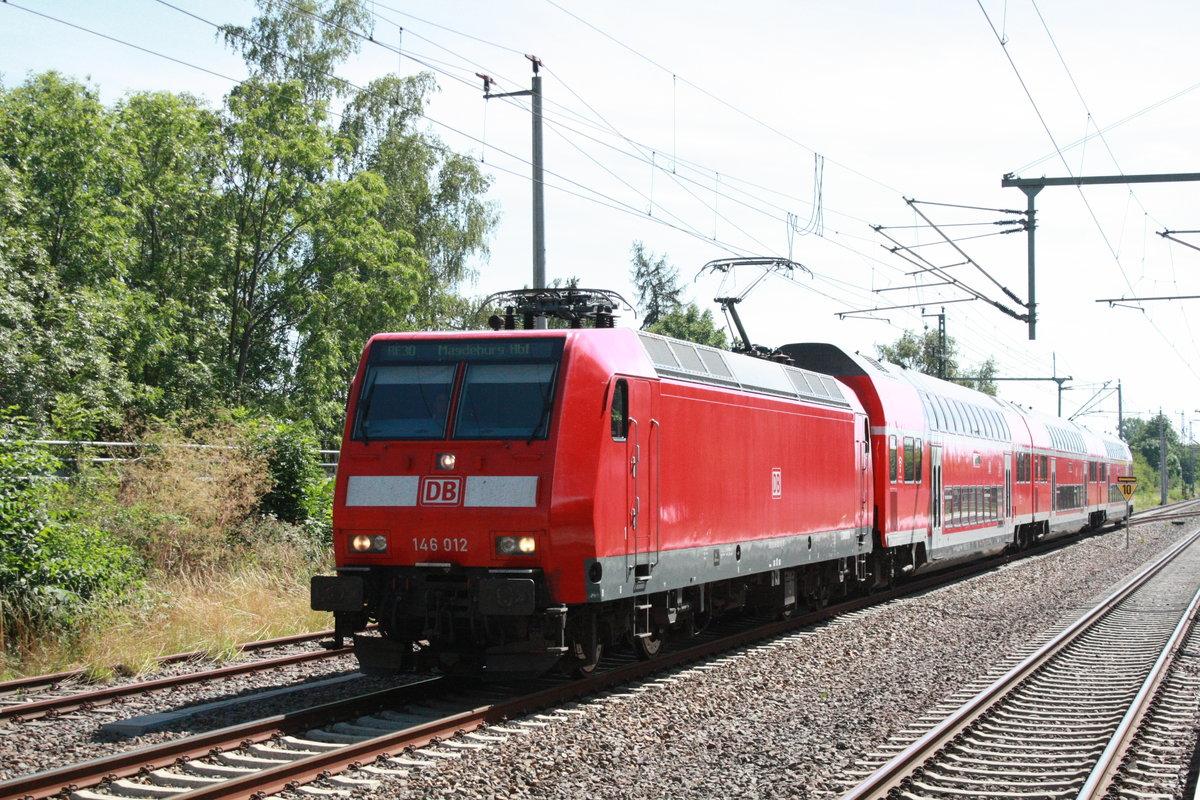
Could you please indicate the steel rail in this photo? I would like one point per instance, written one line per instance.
(47, 784)
(1166, 517)
(303, 771)
(35, 681)
(903, 765)
(1170, 508)
(90, 773)
(40, 708)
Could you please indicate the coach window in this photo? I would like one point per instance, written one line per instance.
(910, 460)
(620, 412)
(892, 457)
(960, 416)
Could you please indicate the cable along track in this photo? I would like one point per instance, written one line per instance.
(1059, 724)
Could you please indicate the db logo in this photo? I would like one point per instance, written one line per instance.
(442, 491)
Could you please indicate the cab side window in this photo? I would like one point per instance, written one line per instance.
(620, 412)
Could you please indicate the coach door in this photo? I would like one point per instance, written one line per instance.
(1008, 489)
(935, 491)
(643, 447)
(1053, 488)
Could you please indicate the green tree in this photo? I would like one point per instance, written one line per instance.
(982, 379)
(164, 258)
(657, 285)
(66, 239)
(277, 158)
(689, 323)
(432, 193)
(174, 148)
(1146, 437)
(50, 566)
(924, 353)
(335, 234)
(302, 40)
(363, 279)
(58, 138)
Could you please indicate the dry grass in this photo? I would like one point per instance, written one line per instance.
(211, 613)
(188, 497)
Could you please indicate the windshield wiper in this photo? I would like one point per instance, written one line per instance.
(544, 417)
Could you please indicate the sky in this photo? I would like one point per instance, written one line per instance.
(801, 130)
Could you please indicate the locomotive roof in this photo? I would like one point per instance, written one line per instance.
(694, 362)
(674, 358)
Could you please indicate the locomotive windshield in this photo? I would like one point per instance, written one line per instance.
(478, 389)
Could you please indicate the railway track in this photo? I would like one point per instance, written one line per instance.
(1063, 721)
(1180, 510)
(56, 699)
(17, 686)
(388, 732)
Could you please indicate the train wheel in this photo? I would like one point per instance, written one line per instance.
(586, 661)
(647, 647)
(818, 598)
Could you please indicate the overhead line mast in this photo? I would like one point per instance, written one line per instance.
(1031, 186)
(539, 197)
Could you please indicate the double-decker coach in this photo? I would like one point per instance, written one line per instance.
(960, 473)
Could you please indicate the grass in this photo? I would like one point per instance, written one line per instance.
(212, 613)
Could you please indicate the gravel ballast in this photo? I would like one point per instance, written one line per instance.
(791, 720)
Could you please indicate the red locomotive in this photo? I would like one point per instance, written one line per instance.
(514, 499)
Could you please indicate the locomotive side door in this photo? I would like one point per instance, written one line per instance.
(643, 448)
(864, 466)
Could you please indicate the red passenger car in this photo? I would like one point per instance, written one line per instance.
(959, 473)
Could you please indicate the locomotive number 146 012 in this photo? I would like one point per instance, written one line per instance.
(434, 544)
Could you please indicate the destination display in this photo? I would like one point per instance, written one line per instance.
(450, 350)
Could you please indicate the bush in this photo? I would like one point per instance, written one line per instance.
(51, 567)
(210, 508)
(290, 452)
(300, 492)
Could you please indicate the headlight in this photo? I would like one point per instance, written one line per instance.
(516, 546)
(364, 543)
